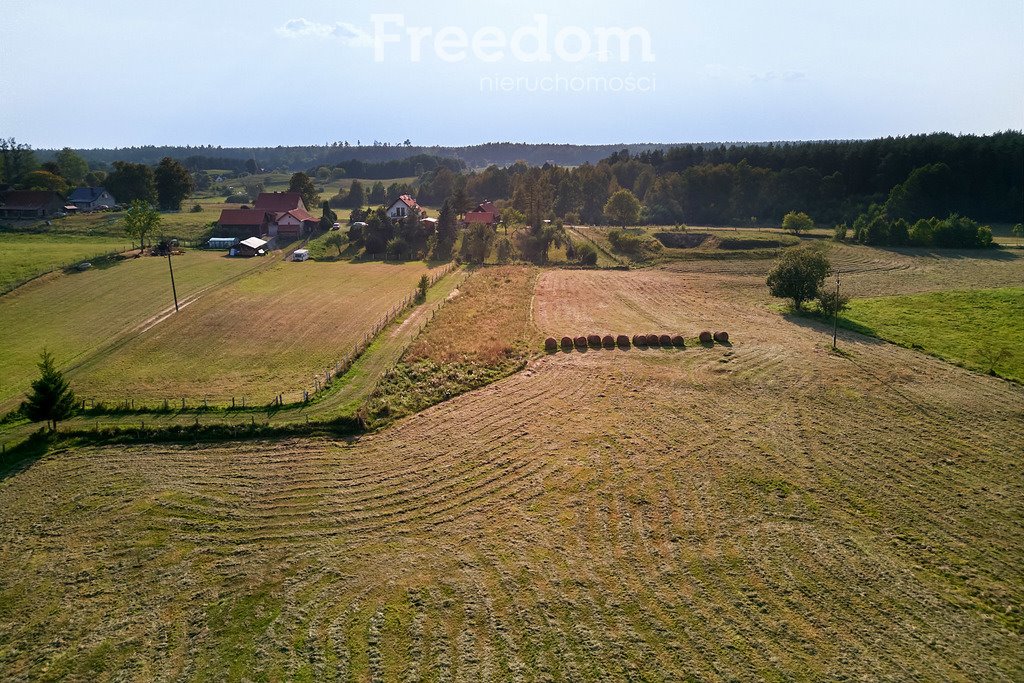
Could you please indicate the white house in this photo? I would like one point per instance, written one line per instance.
(402, 206)
(91, 198)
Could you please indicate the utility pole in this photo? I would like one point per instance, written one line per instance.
(835, 316)
(171, 268)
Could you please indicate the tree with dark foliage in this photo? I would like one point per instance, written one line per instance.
(51, 398)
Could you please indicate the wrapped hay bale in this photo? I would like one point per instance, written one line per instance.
(580, 342)
(550, 344)
(677, 340)
(653, 340)
(566, 343)
(721, 337)
(594, 340)
(666, 340)
(622, 340)
(706, 338)
(639, 340)
(608, 341)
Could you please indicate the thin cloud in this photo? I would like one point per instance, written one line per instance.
(342, 31)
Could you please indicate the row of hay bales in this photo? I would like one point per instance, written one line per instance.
(596, 341)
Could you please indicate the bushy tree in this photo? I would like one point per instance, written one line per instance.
(44, 180)
(327, 217)
(377, 193)
(129, 182)
(797, 222)
(832, 303)
(173, 184)
(95, 178)
(798, 275)
(336, 240)
(586, 255)
(303, 184)
(422, 287)
(477, 241)
(505, 250)
(51, 398)
(442, 242)
(356, 195)
(139, 220)
(622, 208)
(72, 166)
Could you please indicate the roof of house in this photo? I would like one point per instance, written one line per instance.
(85, 194)
(487, 206)
(298, 214)
(28, 199)
(242, 217)
(254, 242)
(278, 201)
(408, 201)
(481, 217)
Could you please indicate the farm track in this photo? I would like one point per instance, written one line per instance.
(768, 510)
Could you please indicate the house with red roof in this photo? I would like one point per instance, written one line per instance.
(279, 202)
(485, 212)
(274, 214)
(292, 224)
(402, 206)
(243, 223)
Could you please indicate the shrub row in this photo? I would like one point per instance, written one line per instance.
(596, 341)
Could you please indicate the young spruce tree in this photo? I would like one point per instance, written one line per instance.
(51, 398)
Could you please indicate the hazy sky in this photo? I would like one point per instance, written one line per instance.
(97, 73)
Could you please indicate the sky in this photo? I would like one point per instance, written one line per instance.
(116, 74)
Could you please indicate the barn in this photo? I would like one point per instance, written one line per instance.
(242, 223)
(252, 246)
(30, 204)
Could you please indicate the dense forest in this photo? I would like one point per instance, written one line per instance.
(908, 178)
(913, 177)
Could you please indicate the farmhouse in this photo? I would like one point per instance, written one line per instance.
(292, 224)
(402, 206)
(485, 212)
(91, 198)
(242, 223)
(30, 204)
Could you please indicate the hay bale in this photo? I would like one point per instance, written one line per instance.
(580, 342)
(608, 341)
(665, 339)
(639, 340)
(677, 340)
(706, 338)
(622, 340)
(721, 337)
(653, 340)
(550, 344)
(566, 343)
(594, 340)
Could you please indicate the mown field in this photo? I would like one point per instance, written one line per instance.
(982, 329)
(705, 514)
(79, 314)
(273, 332)
(24, 256)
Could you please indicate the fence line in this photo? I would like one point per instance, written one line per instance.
(321, 382)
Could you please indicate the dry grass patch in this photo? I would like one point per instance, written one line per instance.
(482, 334)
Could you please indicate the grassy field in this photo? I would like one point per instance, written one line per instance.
(79, 314)
(982, 329)
(25, 256)
(273, 332)
(484, 333)
(182, 224)
(743, 513)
